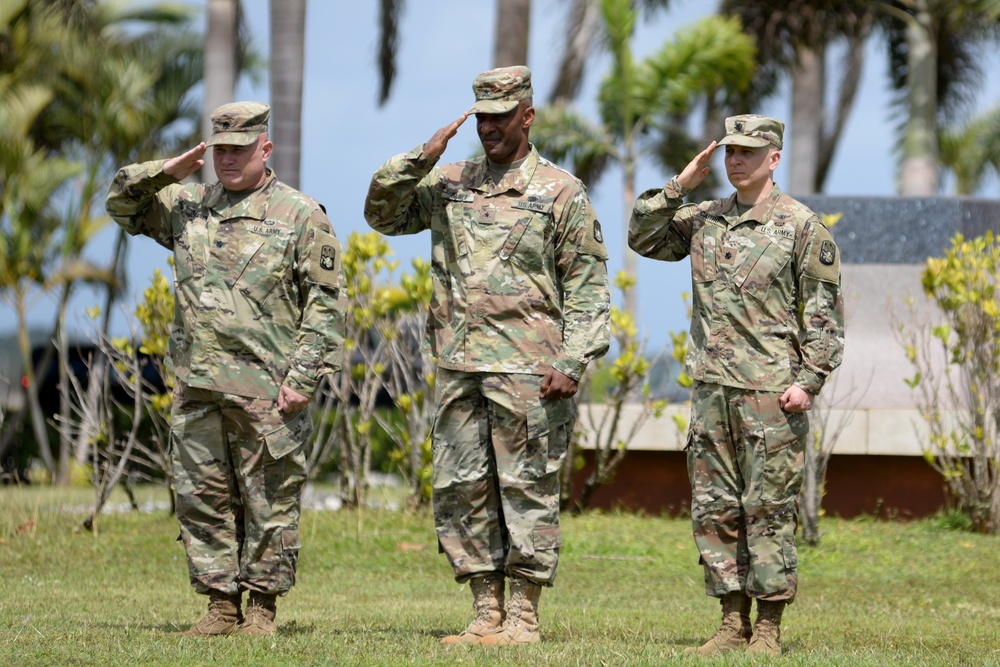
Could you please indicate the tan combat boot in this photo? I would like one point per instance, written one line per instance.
(735, 630)
(258, 621)
(767, 629)
(487, 593)
(521, 625)
(222, 618)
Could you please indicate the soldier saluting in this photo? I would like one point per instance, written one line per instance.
(258, 323)
(767, 330)
(520, 307)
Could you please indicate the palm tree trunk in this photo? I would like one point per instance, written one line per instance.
(288, 36)
(584, 26)
(919, 175)
(847, 92)
(631, 296)
(31, 388)
(221, 40)
(808, 107)
(512, 31)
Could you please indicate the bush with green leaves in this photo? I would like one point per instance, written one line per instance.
(957, 375)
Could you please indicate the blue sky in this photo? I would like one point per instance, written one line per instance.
(444, 44)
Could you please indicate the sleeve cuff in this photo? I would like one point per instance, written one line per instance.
(301, 383)
(570, 367)
(673, 189)
(810, 381)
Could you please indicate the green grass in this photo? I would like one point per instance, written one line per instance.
(372, 590)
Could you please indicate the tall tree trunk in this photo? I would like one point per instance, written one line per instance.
(808, 108)
(31, 398)
(288, 36)
(853, 64)
(583, 27)
(221, 40)
(631, 297)
(512, 32)
(918, 175)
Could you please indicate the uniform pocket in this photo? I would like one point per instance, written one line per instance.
(760, 269)
(704, 265)
(786, 430)
(545, 538)
(289, 436)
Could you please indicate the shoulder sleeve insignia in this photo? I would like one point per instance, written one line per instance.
(592, 241)
(827, 253)
(325, 260)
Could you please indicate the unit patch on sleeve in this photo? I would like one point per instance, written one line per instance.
(592, 241)
(827, 253)
(325, 260)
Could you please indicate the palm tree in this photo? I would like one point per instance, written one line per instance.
(642, 102)
(583, 34)
(936, 54)
(110, 91)
(972, 151)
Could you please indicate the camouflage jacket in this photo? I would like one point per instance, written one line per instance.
(767, 305)
(520, 280)
(256, 283)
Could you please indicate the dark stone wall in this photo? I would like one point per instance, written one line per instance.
(903, 230)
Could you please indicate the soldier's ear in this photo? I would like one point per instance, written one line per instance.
(528, 118)
(775, 159)
(266, 149)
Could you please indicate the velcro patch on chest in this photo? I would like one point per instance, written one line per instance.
(536, 206)
(325, 260)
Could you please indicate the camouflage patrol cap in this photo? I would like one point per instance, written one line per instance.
(238, 123)
(499, 90)
(753, 131)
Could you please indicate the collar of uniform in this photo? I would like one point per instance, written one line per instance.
(761, 212)
(517, 181)
(252, 206)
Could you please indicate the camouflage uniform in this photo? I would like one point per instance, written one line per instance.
(767, 314)
(258, 306)
(520, 283)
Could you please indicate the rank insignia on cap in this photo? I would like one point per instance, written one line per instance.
(827, 253)
(598, 236)
(739, 127)
(327, 255)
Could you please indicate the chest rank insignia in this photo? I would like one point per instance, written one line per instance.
(598, 235)
(827, 253)
(326, 257)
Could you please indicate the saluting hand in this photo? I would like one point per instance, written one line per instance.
(182, 166)
(697, 169)
(435, 145)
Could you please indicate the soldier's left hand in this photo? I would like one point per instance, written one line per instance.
(555, 385)
(795, 399)
(290, 400)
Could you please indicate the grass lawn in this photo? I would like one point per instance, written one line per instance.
(372, 590)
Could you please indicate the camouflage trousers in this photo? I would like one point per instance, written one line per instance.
(239, 469)
(497, 451)
(745, 458)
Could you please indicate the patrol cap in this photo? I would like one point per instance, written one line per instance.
(499, 90)
(753, 131)
(238, 123)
